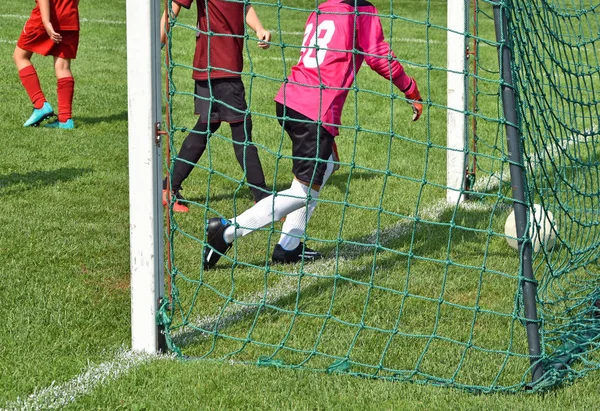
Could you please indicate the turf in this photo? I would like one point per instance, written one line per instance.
(65, 232)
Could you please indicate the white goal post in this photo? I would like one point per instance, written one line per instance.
(145, 171)
(456, 133)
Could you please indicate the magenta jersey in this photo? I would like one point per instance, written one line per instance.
(336, 42)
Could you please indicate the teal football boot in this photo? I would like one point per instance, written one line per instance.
(67, 125)
(39, 115)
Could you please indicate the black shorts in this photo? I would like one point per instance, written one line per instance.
(228, 100)
(309, 143)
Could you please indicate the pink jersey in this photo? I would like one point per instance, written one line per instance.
(336, 42)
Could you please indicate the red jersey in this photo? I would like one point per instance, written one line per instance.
(226, 21)
(64, 15)
(336, 42)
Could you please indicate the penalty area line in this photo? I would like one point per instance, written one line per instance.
(56, 396)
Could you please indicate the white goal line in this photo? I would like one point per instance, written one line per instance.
(57, 396)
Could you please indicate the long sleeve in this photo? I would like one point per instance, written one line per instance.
(378, 54)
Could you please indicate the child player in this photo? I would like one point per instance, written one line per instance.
(52, 29)
(337, 39)
(220, 94)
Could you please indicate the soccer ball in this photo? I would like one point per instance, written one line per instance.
(540, 229)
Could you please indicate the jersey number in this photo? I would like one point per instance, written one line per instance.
(313, 40)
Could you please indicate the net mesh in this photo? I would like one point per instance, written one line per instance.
(411, 288)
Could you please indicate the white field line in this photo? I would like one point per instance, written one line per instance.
(57, 396)
(82, 19)
(257, 58)
(289, 285)
(553, 149)
(289, 33)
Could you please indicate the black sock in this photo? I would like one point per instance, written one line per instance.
(247, 156)
(191, 150)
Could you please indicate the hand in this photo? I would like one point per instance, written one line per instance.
(54, 36)
(413, 94)
(417, 110)
(264, 37)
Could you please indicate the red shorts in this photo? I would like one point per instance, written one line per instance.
(36, 40)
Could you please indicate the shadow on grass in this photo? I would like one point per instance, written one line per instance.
(37, 179)
(103, 119)
(423, 239)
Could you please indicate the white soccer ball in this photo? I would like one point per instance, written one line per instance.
(540, 229)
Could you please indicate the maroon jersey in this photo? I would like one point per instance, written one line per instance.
(336, 42)
(226, 21)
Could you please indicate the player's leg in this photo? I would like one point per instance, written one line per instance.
(31, 83)
(290, 248)
(63, 53)
(247, 156)
(230, 106)
(294, 229)
(194, 144)
(65, 89)
(221, 233)
(189, 154)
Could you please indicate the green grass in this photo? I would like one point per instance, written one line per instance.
(64, 254)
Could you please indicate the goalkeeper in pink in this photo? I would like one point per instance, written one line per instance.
(309, 106)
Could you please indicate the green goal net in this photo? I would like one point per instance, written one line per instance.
(412, 287)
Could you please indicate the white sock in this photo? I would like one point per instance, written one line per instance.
(267, 210)
(294, 227)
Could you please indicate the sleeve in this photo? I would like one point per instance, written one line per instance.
(184, 3)
(378, 54)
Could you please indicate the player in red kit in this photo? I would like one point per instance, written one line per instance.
(337, 40)
(220, 94)
(52, 29)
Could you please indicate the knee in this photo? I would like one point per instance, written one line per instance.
(62, 68)
(194, 142)
(62, 72)
(242, 131)
(20, 59)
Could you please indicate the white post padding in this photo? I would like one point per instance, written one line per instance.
(456, 157)
(145, 165)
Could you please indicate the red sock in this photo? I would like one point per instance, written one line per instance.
(31, 82)
(65, 88)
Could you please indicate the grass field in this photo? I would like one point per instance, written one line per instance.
(64, 255)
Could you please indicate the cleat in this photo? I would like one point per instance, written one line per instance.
(215, 243)
(280, 255)
(178, 207)
(67, 125)
(39, 115)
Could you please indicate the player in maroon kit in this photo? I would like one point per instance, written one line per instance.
(220, 94)
(52, 29)
(337, 40)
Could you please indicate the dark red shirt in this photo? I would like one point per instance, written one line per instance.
(220, 43)
(64, 15)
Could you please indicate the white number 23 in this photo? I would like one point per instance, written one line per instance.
(319, 40)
